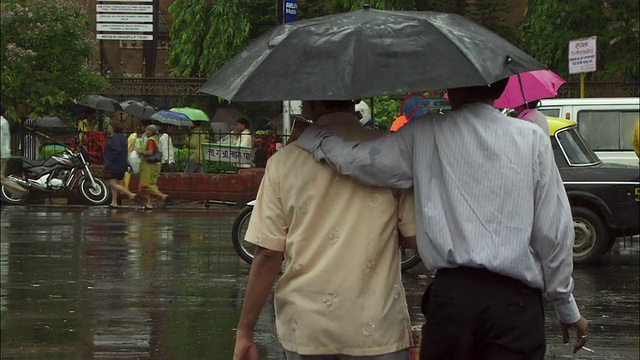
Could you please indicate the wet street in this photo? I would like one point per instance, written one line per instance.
(90, 283)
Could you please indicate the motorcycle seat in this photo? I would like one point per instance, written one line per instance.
(33, 163)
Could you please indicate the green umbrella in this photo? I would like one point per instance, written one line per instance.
(192, 113)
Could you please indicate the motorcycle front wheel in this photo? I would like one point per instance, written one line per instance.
(243, 248)
(11, 196)
(94, 195)
(409, 258)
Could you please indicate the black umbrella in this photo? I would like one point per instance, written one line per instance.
(99, 102)
(367, 53)
(139, 109)
(46, 121)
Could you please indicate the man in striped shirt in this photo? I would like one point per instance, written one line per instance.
(492, 216)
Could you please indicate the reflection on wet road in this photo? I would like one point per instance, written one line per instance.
(81, 283)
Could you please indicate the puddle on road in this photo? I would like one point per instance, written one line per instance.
(99, 284)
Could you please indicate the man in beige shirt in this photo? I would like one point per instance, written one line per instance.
(341, 293)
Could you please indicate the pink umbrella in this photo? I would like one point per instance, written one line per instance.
(536, 85)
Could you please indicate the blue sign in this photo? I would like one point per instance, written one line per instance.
(290, 11)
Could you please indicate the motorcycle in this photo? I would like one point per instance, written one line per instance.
(245, 249)
(60, 172)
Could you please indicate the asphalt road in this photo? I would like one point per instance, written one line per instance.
(92, 283)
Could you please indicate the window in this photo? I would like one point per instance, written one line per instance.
(555, 112)
(607, 130)
(574, 148)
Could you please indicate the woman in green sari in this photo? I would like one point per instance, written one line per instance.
(150, 171)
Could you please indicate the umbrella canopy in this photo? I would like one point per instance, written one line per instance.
(168, 117)
(46, 121)
(368, 53)
(139, 109)
(103, 103)
(227, 115)
(536, 85)
(193, 113)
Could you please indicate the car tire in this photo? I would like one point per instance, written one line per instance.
(591, 236)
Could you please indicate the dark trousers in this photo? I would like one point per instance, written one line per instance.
(477, 314)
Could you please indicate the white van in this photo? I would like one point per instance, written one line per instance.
(606, 124)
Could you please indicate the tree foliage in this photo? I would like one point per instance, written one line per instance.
(206, 33)
(45, 48)
(548, 27)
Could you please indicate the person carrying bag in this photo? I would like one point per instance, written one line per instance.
(150, 167)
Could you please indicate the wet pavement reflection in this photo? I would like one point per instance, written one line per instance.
(92, 283)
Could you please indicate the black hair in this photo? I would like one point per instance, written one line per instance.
(533, 104)
(244, 122)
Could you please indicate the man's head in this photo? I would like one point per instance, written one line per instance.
(200, 124)
(90, 114)
(242, 124)
(459, 97)
(314, 109)
(530, 105)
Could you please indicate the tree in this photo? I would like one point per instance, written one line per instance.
(46, 49)
(548, 27)
(226, 27)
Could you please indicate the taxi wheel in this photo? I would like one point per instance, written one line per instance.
(591, 237)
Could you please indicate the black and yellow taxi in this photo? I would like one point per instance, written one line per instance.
(604, 197)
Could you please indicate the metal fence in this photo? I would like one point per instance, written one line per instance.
(220, 151)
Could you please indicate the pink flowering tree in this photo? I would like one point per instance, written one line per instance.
(46, 49)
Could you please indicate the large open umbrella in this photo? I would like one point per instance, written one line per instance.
(139, 109)
(168, 117)
(193, 113)
(46, 121)
(99, 102)
(368, 53)
(532, 86)
(227, 115)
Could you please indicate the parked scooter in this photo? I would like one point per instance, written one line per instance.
(245, 249)
(58, 173)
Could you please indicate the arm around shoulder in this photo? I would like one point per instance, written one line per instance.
(386, 161)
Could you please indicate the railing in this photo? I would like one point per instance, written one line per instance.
(133, 87)
(221, 153)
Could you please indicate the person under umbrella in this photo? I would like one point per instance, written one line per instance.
(528, 112)
(138, 133)
(166, 146)
(150, 171)
(89, 123)
(197, 137)
(524, 91)
(493, 214)
(241, 135)
(115, 163)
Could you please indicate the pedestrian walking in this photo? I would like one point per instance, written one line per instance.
(493, 219)
(341, 294)
(150, 167)
(168, 151)
(528, 112)
(197, 137)
(132, 142)
(5, 153)
(115, 163)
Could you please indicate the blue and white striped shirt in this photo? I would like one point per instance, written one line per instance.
(488, 194)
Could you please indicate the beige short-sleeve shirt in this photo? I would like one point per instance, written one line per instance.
(341, 291)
